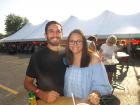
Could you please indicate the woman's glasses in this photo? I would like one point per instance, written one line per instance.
(77, 42)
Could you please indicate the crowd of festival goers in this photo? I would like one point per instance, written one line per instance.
(31, 47)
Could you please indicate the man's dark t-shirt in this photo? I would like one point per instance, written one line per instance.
(48, 68)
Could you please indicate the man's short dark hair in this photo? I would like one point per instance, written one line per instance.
(50, 23)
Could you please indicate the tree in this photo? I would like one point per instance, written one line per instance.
(1, 34)
(13, 23)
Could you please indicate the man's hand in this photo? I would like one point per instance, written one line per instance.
(49, 96)
(94, 98)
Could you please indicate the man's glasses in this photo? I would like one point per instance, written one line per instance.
(77, 42)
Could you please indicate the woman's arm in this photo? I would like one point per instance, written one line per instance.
(100, 81)
(95, 58)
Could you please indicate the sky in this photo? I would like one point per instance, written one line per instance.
(37, 11)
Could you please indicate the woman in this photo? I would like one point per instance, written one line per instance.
(86, 75)
(108, 51)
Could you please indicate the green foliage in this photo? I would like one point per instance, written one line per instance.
(1, 34)
(13, 23)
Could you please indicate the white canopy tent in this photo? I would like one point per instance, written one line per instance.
(105, 24)
(89, 27)
(124, 26)
(28, 33)
(21, 34)
(38, 33)
(127, 26)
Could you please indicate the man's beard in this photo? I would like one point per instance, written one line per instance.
(54, 41)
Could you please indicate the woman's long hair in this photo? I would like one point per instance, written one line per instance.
(85, 59)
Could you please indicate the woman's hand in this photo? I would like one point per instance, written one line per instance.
(94, 98)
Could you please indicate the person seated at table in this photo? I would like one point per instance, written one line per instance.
(108, 52)
(86, 74)
(46, 69)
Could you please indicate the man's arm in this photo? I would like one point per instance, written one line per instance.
(49, 96)
(28, 84)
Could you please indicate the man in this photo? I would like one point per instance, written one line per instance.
(46, 66)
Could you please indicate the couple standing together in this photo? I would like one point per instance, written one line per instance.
(58, 71)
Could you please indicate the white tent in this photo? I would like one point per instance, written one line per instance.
(38, 33)
(71, 24)
(105, 24)
(28, 33)
(89, 27)
(124, 26)
(20, 35)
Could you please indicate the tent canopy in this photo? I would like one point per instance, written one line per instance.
(123, 26)
(106, 24)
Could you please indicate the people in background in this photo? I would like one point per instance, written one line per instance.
(92, 43)
(46, 66)
(86, 76)
(108, 52)
(129, 48)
